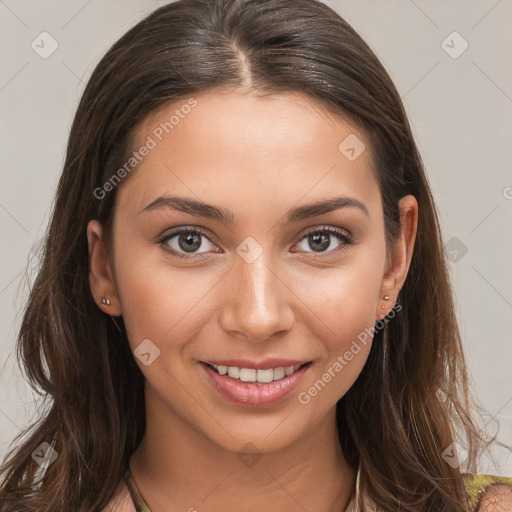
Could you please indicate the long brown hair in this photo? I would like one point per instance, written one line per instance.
(402, 411)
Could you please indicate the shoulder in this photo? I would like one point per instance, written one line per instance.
(496, 498)
(489, 493)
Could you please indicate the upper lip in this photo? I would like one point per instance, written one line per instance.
(271, 362)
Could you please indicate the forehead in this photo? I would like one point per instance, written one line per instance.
(247, 149)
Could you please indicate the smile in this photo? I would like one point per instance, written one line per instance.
(251, 387)
(253, 375)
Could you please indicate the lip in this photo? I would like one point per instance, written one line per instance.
(254, 394)
(265, 364)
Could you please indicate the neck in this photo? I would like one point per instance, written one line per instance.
(176, 468)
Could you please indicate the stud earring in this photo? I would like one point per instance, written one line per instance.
(386, 297)
(105, 301)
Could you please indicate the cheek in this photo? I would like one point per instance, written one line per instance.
(345, 304)
(160, 303)
(343, 300)
(342, 348)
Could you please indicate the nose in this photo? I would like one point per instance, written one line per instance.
(256, 301)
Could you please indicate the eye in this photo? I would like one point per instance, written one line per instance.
(186, 241)
(321, 239)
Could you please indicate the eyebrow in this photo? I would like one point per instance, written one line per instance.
(226, 216)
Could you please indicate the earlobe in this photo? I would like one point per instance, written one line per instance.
(385, 308)
(388, 296)
(101, 278)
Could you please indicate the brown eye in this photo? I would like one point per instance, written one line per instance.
(189, 242)
(320, 240)
(186, 243)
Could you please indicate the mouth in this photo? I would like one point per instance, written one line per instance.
(258, 376)
(265, 386)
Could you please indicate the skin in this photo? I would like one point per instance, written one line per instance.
(258, 157)
(497, 498)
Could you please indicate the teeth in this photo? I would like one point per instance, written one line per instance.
(234, 372)
(247, 375)
(252, 375)
(279, 373)
(289, 370)
(265, 375)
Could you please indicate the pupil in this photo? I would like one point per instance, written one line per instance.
(321, 239)
(189, 242)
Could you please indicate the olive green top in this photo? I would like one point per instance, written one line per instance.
(475, 485)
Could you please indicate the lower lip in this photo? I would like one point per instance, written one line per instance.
(254, 394)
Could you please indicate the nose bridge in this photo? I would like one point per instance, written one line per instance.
(261, 283)
(258, 304)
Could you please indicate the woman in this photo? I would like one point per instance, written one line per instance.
(244, 302)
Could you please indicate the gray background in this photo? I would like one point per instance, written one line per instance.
(460, 109)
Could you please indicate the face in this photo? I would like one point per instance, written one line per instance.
(260, 279)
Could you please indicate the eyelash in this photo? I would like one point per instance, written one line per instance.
(342, 236)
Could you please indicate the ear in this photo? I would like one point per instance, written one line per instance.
(101, 278)
(397, 265)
